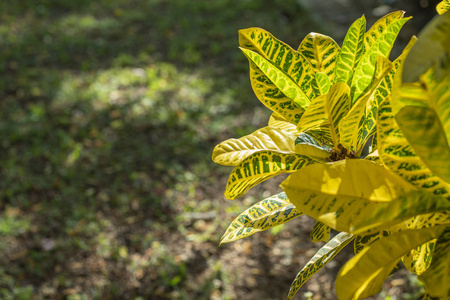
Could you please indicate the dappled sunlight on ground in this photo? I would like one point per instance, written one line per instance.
(109, 111)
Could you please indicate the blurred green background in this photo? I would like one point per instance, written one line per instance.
(109, 111)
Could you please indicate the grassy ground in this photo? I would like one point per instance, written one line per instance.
(109, 111)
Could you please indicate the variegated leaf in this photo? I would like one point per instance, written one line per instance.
(321, 51)
(374, 156)
(323, 115)
(364, 71)
(432, 49)
(278, 121)
(362, 241)
(357, 196)
(382, 92)
(261, 166)
(233, 151)
(443, 7)
(305, 139)
(281, 55)
(398, 155)
(351, 51)
(364, 274)
(426, 122)
(272, 97)
(428, 297)
(319, 260)
(379, 27)
(283, 82)
(320, 232)
(270, 212)
(437, 277)
(323, 83)
(419, 259)
(351, 126)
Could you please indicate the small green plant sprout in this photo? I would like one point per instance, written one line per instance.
(328, 103)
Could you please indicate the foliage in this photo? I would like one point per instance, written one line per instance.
(328, 103)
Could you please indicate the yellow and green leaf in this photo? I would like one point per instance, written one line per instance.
(261, 166)
(418, 260)
(319, 260)
(382, 92)
(320, 232)
(374, 156)
(283, 82)
(269, 95)
(398, 155)
(364, 274)
(351, 51)
(323, 83)
(426, 125)
(443, 7)
(358, 196)
(233, 151)
(380, 27)
(352, 126)
(321, 51)
(306, 139)
(362, 241)
(437, 277)
(270, 212)
(321, 119)
(364, 71)
(292, 63)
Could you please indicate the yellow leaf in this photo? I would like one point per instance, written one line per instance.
(364, 274)
(233, 151)
(357, 196)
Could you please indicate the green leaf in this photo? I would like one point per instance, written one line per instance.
(323, 83)
(351, 127)
(265, 214)
(364, 274)
(357, 196)
(321, 51)
(431, 50)
(437, 277)
(398, 155)
(323, 115)
(319, 260)
(278, 121)
(425, 122)
(261, 166)
(351, 51)
(282, 81)
(320, 232)
(443, 7)
(233, 151)
(380, 27)
(364, 71)
(281, 55)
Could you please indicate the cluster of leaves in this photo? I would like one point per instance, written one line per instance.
(367, 141)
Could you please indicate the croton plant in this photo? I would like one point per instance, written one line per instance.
(367, 142)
